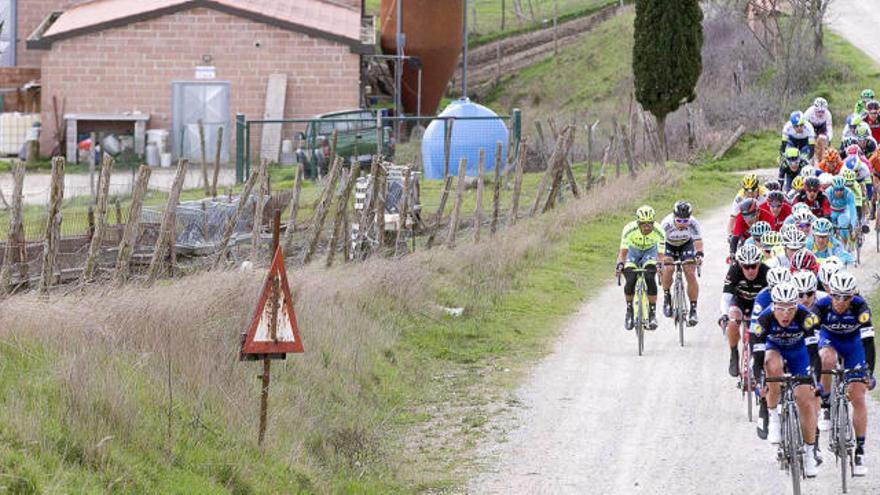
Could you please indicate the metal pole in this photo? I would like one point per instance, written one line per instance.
(239, 148)
(419, 96)
(464, 56)
(398, 76)
(273, 331)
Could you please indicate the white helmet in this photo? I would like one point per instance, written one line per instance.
(825, 179)
(842, 284)
(778, 275)
(804, 217)
(805, 281)
(794, 239)
(785, 293)
(829, 267)
(748, 254)
(808, 171)
(820, 102)
(798, 207)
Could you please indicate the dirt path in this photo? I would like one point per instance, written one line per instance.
(856, 21)
(595, 418)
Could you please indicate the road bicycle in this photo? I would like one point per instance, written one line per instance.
(791, 449)
(747, 382)
(842, 437)
(680, 306)
(640, 307)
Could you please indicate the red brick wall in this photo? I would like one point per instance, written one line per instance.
(15, 78)
(132, 68)
(30, 13)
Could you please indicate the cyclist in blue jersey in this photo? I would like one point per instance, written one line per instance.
(843, 206)
(798, 133)
(823, 245)
(846, 333)
(783, 329)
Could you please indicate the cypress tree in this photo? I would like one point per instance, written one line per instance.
(667, 59)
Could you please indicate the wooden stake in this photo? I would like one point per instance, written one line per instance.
(168, 230)
(118, 208)
(403, 211)
(366, 219)
(558, 165)
(15, 235)
(53, 226)
(88, 274)
(262, 191)
(339, 228)
(517, 184)
(438, 217)
(478, 209)
(294, 207)
(204, 152)
(496, 196)
(132, 228)
(217, 161)
(232, 222)
(321, 212)
(456, 209)
(381, 189)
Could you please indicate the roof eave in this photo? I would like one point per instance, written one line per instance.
(36, 41)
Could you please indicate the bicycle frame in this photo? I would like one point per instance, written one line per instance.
(842, 438)
(791, 449)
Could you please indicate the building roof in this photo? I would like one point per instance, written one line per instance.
(328, 19)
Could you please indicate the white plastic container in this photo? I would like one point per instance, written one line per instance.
(165, 160)
(152, 155)
(14, 129)
(159, 137)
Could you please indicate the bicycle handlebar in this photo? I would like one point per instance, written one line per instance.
(787, 378)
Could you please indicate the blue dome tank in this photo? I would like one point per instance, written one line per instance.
(468, 136)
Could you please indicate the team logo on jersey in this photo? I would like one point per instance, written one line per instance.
(757, 329)
(811, 321)
(864, 317)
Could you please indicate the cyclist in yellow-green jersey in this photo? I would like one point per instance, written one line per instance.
(641, 242)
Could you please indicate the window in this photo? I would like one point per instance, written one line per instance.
(7, 33)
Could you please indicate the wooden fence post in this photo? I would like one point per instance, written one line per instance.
(365, 221)
(294, 207)
(339, 228)
(217, 161)
(381, 189)
(88, 274)
(204, 158)
(321, 211)
(558, 165)
(262, 191)
(232, 222)
(168, 230)
(404, 210)
(438, 218)
(517, 184)
(456, 209)
(478, 209)
(53, 226)
(118, 208)
(132, 228)
(496, 195)
(15, 234)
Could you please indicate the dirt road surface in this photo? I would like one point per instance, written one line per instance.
(856, 21)
(597, 419)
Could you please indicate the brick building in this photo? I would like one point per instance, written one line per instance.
(183, 60)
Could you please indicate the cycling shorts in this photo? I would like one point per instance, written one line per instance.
(685, 252)
(796, 358)
(849, 347)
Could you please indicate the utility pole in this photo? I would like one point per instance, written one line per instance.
(464, 57)
(398, 73)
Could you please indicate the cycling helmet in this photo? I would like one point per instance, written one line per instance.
(804, 280)
(849, 176)
(822, 227)
(862, 133)
(775, 197)
(799, 207)
(792, 153)
(771, 239)
(832, 156)
(842, 284)
(645, 214)
(798, 183)
(808, 171)
(873, 105)
(797, 118)
(789, 227)
(748, 207)
(750, 182)
(825, 179)
(778, 275)
(820, 102)
(784, 293)
(829, 267)
(838, 182)
(759, 229)
(804, 216)
(812, 183)
(852, 149)
(854, 120)
(748, 254)
(803, 260)
(682, 209)
(773, 185)
(794, 239)
(868, 94)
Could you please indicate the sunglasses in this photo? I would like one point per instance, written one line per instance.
(808, 294)
(804, 225)
(840, 297)
(785, 308)
(750, 267)
(682, 221)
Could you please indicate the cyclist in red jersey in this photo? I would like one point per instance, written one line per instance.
(776, 207)
(873, 118)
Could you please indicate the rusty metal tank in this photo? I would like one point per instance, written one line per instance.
(433, 31)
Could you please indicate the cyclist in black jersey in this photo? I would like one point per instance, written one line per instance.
(745, 279)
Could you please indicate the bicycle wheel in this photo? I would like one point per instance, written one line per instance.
(679, 309)
(841, 428)
(795, 445)
(746, 375)
(640, 315)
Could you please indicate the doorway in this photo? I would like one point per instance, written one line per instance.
(205, 101)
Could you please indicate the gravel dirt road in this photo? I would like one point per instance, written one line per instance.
(597, 419)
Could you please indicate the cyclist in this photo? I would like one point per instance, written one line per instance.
(776, 207)
(772, 185)
(790, 166)
(775, 276)
(804, 260)
(846, 333)
(823, 246)
(797, 185)
(813, 197)
(783, 330)
(819, 116)
(807, 286)
(684, 242)
(873, 118)
(861, 106)
(799, 134)
(743, 282)
(751, 189)
(771, 247)
(832, 162)
(843, 207)
(849, 177)
(749, 213)
(641, 242)
(756, 232)
(827, 269)
(853, 124)
(793, 240)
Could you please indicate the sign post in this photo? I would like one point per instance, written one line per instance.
(273, 332)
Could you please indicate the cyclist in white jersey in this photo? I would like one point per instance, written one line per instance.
(684, 242)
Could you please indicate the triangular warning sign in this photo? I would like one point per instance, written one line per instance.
(281, 336)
